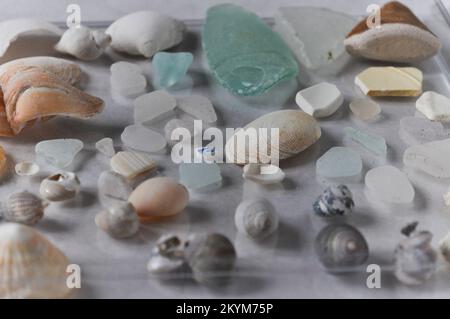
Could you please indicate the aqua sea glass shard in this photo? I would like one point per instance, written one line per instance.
(59, 153)
(169, 68)
(200, 177)
(243, 52)
(374, 143)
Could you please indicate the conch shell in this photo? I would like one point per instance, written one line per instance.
(41, 87)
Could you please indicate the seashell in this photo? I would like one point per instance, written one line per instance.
(23, 207)
(31, 266)
(159, 197)
(415, 259)
(444, 246)
(297, 131)
(120, 221)
(167, 257)
(145, 33)
(256, 218)
(263, 173)
(59, 187)
(26, 168)
(401, 37)
(132, 164)
(334, 201)
(211, 257)
(341, 247)
(83, 43)
(3, 161)
(11, 30)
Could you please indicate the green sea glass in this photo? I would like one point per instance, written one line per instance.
(169, 68)
(243, 52)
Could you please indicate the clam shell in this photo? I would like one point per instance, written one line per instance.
(264, 174)
(26, 168)
(341, 247)
(120, 221)
(23, 207)
(60, 186)
(30, 266)
(256, 218)
(297, 131)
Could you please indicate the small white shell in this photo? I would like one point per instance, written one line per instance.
(120, 221)
(83, 43)
(263, 173)
(26, 168)
(167, 256)
(23, 207)
(59, 187)
(256, 218)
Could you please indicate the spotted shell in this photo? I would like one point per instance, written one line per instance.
(23, 207)
(334, 201)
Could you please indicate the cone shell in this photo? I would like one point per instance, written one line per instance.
(23, 207)
(297, 131)
(30, 266)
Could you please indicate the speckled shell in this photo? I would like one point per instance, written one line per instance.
(211, 257)
(23, 207)
(297, 131)
(30, 266)
(256, 218)
(159, 197)
(334, 201)
(59, 187)
(341, 247)
(120, 221)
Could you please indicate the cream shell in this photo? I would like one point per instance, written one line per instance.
(60, 187)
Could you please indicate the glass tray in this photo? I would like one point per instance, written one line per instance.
(284, 266)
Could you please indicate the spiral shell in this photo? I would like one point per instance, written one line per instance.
(120, 221)
(341, 247)
(23, 207)
(256, 218)
(167, 257)
(334, 201)
(59, 187)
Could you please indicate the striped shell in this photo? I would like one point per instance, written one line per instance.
(30, 266)
(132, 164)
(297, 131)
(24, 208)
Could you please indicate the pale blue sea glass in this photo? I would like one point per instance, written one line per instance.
(372, 142)
(59, 153)
(200, 176)
(169, 68)
(339, 164)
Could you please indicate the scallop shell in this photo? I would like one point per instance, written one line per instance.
(159, 197)
(263, 173)
(26, 168)
(23, 207)
(341, 247)
(256, 218)
(297, 131)
(59, 187)
(120, 221)
(334, 201)
(211, 257)
(30, 266)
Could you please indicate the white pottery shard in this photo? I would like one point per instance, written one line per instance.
(434, 106)
(320, 100)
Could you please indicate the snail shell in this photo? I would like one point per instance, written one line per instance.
(23, 207)
(415, 258)
(256, 218)
(211, 257)
(167, 257)
(340, 247)
(334, 201)
(60, 187)
(31, 267)
(120, 221)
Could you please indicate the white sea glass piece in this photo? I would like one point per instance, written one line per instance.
(132, 164)
(127, 80)
(339, 164)
(374, 143)
(152, 107)
(113, 189)
(434, 106)
(180, 124)
(365, 109)
(200, 176)
(26, 168)
(432, 158)
(143, 139)
(199, 107)
(59, 153)
(320, 100)
(264, 174)
(106, 146)
(416, 130)
(389, 184)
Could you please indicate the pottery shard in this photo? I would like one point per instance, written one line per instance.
(401, 37)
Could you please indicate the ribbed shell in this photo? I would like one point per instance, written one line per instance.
(23, 207)
(131, 164)
(30, 266)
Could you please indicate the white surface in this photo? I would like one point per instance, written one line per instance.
(285, 266)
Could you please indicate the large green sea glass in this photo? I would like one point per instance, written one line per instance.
(244, 54)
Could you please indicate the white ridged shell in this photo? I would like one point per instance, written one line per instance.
(60, 186)
(256, 218)
(23, 207)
